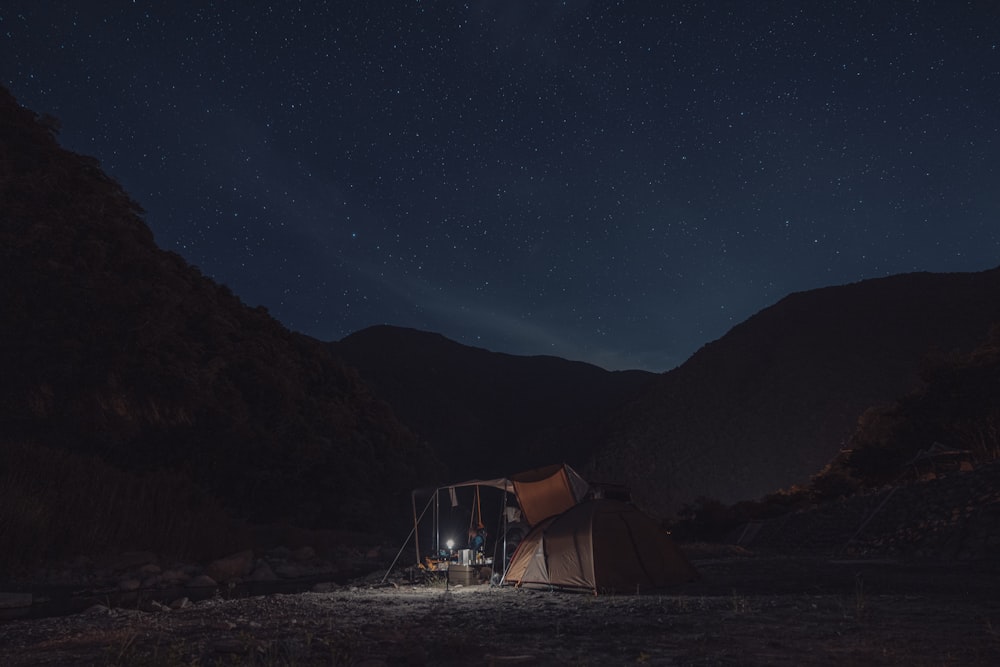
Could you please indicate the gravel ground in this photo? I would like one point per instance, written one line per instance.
(744, 611)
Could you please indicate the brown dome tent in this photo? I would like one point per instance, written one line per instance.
(599, 545)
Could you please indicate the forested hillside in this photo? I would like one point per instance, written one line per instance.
(128, 360)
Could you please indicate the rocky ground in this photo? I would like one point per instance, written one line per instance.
(746, 610)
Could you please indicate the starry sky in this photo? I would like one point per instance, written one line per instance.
(612, 182)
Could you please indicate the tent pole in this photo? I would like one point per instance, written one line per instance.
(503, 523)
(437, 522)
(503, 576)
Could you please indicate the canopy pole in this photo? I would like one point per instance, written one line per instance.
(413, 532)
(416, 521)
(472, 516)
(506, 565)
(437, 522)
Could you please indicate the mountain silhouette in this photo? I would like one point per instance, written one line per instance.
(489, 414)
(119, 352)
(771, 402)
(953, 417)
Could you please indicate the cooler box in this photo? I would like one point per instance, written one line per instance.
(465, 575)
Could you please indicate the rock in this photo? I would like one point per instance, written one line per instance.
(280, 552)
(263, 572)
(229, 646)
(174, 576)
(150, 569)
(60, 577)
(81, 563)
(180, 603)
(325, 587)
(231, 568)
(202, 581)
(129, 584)
(223, 624)
(15, 600)
(131, 560)
(304, 553)
(290, 571)
(155, 606)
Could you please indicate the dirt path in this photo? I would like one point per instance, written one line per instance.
(756, 611)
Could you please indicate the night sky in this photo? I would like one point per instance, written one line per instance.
(613, 182)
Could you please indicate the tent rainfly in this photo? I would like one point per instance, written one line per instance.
(548, 491)
(599, 545)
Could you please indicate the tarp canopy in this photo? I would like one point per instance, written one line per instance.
(501, 483)
(540, 493)
(599, 545)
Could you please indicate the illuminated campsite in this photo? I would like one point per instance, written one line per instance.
(489, 333)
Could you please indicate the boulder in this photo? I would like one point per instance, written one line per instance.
(150, 569)
(97, 610)
(263, 572)
(202, 581)
(304, 553)
(291, 570)
(131, 560)
(15, 600)
(280, 553)
(154, 606)
(231, 568)
(174, 576)
(129, 584)
(325, 587)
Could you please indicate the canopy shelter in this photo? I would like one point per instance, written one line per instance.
(527, 498)
(451, 493)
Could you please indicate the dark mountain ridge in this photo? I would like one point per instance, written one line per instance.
(119, 352)
(770, 403)
(487, 413)
(953, 417)
(765, 407)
